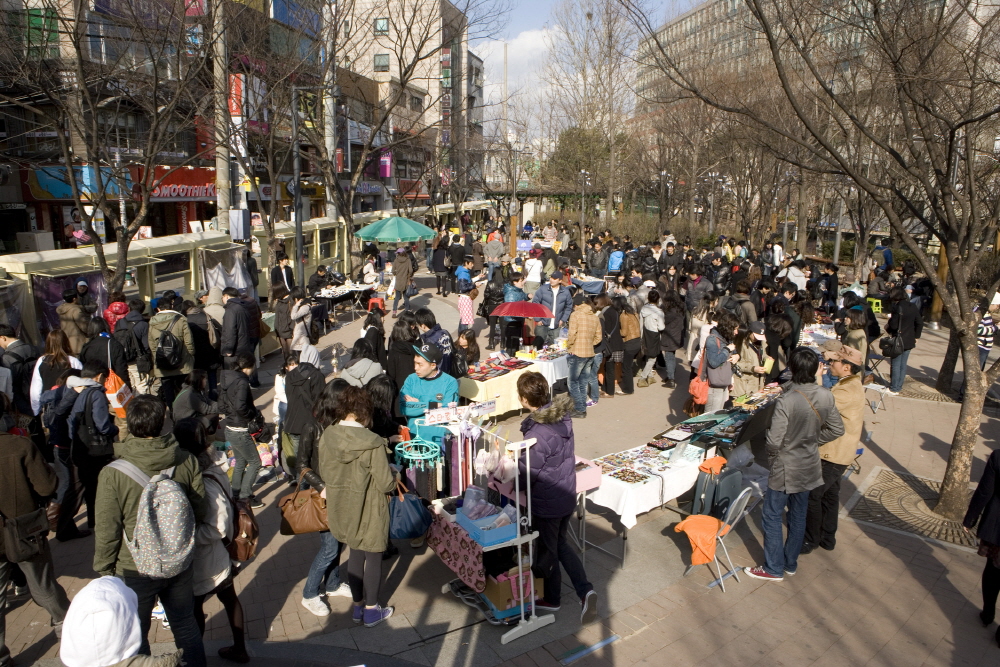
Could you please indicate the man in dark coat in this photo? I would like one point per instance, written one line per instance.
(235, 329)
(304, 383)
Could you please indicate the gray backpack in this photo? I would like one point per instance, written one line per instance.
(162, 543)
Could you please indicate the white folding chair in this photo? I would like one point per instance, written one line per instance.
(735, 513)
(881, 391)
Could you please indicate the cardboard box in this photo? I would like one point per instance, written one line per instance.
(500, 594)
(35, 241)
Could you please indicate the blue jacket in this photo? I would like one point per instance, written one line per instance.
(512, 293)
(426, 391)
(442, 339)
(562, 310)
(103, 422)
(615, 261)
(463, 279)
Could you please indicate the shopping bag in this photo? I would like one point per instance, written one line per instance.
(408, 518)
(698, 386)
(266, 456)
(118, 392)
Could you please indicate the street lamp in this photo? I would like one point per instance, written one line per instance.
(583, 198)
(663, 196)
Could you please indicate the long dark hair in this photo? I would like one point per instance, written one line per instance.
(404, 330)
(383, 392)
(672, 301)
(621, 304)
(472, 352)
(363, 350)
(325, 408)
(57, 349)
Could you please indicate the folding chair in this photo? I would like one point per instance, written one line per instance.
(736, 512)
(875, 362)
(881, 390)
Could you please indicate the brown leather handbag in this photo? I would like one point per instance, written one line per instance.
(303, 511)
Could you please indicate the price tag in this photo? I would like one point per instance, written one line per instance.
(440, 416)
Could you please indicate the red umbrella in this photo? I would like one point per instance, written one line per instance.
(522, 309)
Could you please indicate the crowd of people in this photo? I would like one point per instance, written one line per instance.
(624, 309)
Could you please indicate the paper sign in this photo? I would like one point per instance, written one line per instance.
(440, 416)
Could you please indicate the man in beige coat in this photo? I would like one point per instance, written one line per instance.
(824, 501)
(73, 320)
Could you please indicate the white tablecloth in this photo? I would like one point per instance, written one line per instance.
(630, 500)
(557, 369)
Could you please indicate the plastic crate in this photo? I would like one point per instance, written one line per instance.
(486, 538)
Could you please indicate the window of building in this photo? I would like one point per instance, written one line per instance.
(416, 102)
(381, 26)
(381, 62)
(345, 30)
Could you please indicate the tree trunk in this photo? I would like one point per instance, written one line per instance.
(946, 375)
(954, 498)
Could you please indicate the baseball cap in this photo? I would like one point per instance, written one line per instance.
(200, 293)
(757, 328)
(842, 353)
(430, 352)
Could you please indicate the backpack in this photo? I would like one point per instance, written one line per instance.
(97, 444)
(731, 305)
(169, 349)
(214, 332)
(162, 543)
(243, 546)
(21, 370)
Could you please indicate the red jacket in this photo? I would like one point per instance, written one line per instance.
(115, 312)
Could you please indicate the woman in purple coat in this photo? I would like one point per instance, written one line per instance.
(553, 491)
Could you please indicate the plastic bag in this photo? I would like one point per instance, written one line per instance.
(118, 393)
(408, 518)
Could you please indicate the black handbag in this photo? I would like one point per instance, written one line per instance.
(24, 536)
(891, 346)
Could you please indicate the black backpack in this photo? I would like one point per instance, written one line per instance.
(169, 349)
(731, 305)
(21, 370)
(97, 443)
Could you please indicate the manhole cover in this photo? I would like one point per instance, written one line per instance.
(903, 502)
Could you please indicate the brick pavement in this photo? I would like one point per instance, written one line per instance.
(879, 599)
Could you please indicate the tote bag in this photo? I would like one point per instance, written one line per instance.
(408, 518)
(698, 387)
(118, 392)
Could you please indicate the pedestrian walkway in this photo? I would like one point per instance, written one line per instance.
(880, 598)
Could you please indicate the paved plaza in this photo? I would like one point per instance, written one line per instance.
(881, 598)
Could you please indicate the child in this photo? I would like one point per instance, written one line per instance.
(466, 313)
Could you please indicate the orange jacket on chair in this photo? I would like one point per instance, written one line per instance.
(701, 530)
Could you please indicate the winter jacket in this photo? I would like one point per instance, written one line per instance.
(301, 315)
(358, 372)
(439, 260)
(215, 305)
(25, 478)
(191, 403)
(905, 319)
(90, 398)
(562, 310)
(695, 292)
(160, 323)
(206, 355)
(442, 339)
(748, 312)
(283, 327)
(303, 386)
(858, 339)
(674, 326)
(44, 377)
(611, 332)
(235, 399)
(74, 320)
(211, 564)
(494, 250)
(630, 327)
(316, 283)
(252, 306)
(118, 498)
(114, 312)
(652, 323)
(849, 396)
(307, 455)
(553, 459)
(986, 502)
(235, 330)
(751, 355)
(56, 406)
(805, 417)
(402, 270)
(597, 262)
(426, 391)
(355, 468)
(512, 293)
(103, 348)
(140, 329)
(282, 279)
(667, 260)
(717, 357)
(585, 334)
(719, 277)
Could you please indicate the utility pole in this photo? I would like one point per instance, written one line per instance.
(330, 95)
(297, 192)
(837, 237)
(220, 77)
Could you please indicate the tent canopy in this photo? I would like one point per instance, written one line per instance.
(395, 230)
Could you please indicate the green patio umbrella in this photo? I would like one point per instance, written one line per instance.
(395, 230)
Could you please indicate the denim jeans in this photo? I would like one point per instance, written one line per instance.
(580, 369)
(401, 294)
(781, 555)
(429, 256)
(595, 386)
(177, 596)
(717, 397)
(326, 565)
(554, 550)
(63, 465)
(490, 268)
(247, 462)
(544, 335)
(45, 591)
(463, 327)
(898, 371)
(670, 363)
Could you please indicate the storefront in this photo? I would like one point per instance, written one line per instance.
(49, 204)
(183, 201)
(368, 196)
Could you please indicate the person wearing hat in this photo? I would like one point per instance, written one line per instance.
(84, 298)
(428, 387)
(844, 363)
(753, 373)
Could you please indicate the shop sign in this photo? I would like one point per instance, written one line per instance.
(48, 183)
(184, 184)
(368, 188)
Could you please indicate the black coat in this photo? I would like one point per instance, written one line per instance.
(235, 330)
(611, 328)
(905, 320)
(438, 261)
(986, 502)
(672, 336)
(191, 403)
(206, 357)
(140, 328)
(283, 326)
(307, 455)
(303, 386)
(97, 350)
(235, 399)
(317, 282)
(457, 252)
(277, 280)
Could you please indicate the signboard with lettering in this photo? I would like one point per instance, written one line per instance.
(184, 184)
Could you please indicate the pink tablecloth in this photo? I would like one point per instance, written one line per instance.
(459, 552)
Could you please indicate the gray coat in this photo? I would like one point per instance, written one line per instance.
(797, 430)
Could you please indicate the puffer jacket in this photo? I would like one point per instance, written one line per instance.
(805, 417)
(652, 322)
(115, 312)
(118, 497)
(553, 458)
(354, 465)
(235, 330)
(303, 386)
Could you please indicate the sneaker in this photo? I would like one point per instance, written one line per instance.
(576, 414)
(807, 548)
(589, 602)
(790, 573)
(759, 572)
(669, 384)
(892, 393)
(160, 614)
(418, 542)
(316, 606)
(542, 605)
(591, 402)
(20, 591)
(342, 591)
(376, 615)
(255, 504)
(358, 614)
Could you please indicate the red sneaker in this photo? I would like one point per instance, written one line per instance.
(760, 573)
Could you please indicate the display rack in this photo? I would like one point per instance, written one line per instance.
(527, 620)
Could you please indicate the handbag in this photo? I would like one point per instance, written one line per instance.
(24, 536)
(411, 289)
(698, 387)
(408, 518)
(303, 511)
(117, 391)
(891, 346)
